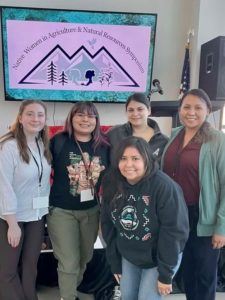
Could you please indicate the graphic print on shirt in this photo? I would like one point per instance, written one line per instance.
(134, 224)
(128, 218)
(79, 179)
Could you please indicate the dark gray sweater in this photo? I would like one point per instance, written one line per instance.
(157, 143)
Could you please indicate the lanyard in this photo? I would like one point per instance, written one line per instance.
(87, 168)
(40, 170)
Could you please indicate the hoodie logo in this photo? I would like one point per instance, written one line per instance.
(156, 152)
(128, 218)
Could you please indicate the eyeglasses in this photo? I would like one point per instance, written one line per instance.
(89, 116)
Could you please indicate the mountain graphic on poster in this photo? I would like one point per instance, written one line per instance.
(80, 69)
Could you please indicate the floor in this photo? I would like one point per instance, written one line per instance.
(52, 293)
(49, 293)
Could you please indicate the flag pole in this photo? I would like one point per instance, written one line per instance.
(185, 78)
(190, 34)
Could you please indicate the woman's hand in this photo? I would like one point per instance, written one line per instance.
(14, 235)
(164, 289)
(14, 231)
(218, 241)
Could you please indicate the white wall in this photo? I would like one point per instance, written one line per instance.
(210, 23)
(175, 18)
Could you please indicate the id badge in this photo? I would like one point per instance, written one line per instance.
(40, 202)
(86, 195)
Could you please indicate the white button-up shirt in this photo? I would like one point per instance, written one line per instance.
(19, 183)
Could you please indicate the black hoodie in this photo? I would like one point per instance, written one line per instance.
(157, 143)
(149, 226)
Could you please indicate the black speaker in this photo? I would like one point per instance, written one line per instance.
(212, 68)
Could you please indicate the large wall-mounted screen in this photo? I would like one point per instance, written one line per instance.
(64, 55)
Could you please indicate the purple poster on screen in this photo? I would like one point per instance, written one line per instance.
(71, 56)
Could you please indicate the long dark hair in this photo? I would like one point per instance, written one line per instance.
(203, 135)
(86, 107)
(16, 132)
(114, 182)
(140, 98)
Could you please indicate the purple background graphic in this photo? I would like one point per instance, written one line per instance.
(71, 56)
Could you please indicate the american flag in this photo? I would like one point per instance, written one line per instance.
(185, 78)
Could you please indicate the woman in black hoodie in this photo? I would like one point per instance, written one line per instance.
(138, 110)
(144, 222)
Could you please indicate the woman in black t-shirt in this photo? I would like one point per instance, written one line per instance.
(80, 154)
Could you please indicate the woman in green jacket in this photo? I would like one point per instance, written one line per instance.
(195, 159)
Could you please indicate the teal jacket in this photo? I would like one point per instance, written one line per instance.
(212, 183)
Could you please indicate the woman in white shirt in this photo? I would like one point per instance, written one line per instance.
(24, 190)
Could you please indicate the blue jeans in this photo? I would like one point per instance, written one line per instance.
(140, 284)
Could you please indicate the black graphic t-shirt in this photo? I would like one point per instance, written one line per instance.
(77, 171)
(70, 175)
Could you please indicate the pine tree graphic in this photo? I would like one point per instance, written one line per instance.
(63, 78)
(52, 73)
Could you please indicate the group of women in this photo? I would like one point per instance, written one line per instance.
(152, 220)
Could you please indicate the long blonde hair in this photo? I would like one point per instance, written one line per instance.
(16, 132)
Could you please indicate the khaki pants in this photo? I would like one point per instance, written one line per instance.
(73, 234)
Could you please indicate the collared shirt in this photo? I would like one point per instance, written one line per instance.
(19, 183)
(182, 165)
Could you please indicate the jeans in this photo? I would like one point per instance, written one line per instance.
(140, 284)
